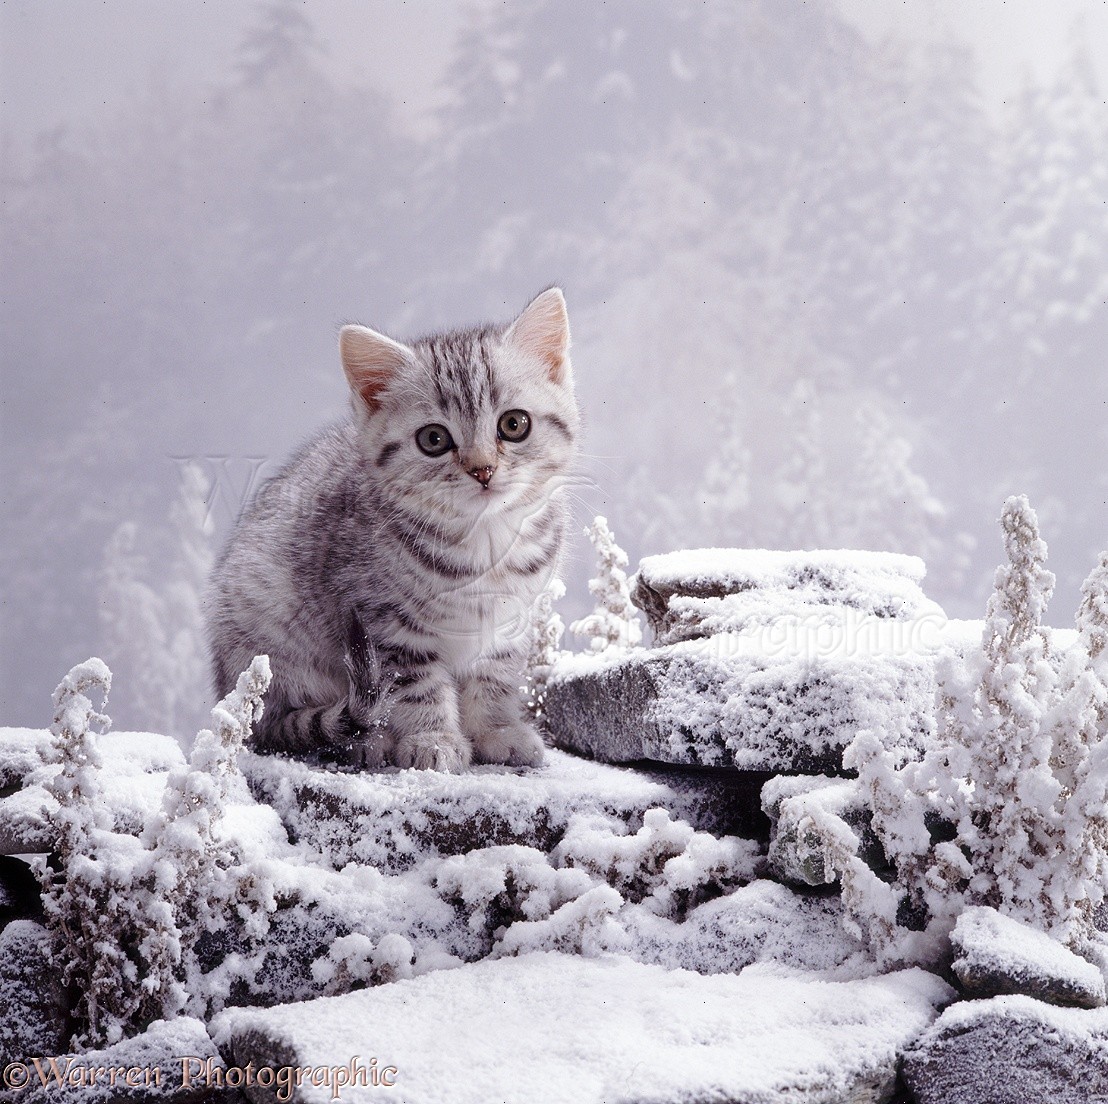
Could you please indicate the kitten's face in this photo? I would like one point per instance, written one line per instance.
(472, 423)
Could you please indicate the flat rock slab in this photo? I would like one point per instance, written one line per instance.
(996, 955)
(1011, 1050)
(393, 819)
(547, 1028)
(696, 593)
(734, 701)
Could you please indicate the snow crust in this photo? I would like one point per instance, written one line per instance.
(548, 1028)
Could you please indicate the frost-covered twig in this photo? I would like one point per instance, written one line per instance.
(614, 623)
(546, 630)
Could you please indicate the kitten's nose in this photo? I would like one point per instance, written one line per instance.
(482, 475)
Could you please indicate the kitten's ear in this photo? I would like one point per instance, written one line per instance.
(542, 331)
(370, 360)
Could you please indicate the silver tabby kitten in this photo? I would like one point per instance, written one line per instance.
(405, 546)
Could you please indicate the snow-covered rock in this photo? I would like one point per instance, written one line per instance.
(393, 819)
(799, 809)
(148, 1069)
(996, 955)
(33, 1011)
(792, 703)
(702, 592)
(1011, 1050)
(547, 1028)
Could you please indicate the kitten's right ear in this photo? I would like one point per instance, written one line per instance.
(370, 360)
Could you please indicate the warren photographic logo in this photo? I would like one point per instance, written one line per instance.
(193, 1073)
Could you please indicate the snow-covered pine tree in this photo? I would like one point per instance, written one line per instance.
(153, 629)
(192, 530)
(546, 630)
(614, 623)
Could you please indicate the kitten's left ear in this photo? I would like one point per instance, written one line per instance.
(542, 332)
(370, 360)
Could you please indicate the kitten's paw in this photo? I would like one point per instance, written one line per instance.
(441, 751)
(517, 745)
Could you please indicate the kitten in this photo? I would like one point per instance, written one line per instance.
(405, 546)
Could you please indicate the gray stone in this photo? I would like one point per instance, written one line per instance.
(693, 594)
(995, 955)
(728, 703)
(1011, 1050)
(392, 819)
(796, 808)
(20, 893)
(146, 1069)
(34, 1018)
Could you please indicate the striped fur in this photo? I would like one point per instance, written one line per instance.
(389, 588)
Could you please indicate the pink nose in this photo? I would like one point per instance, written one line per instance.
(482, 475)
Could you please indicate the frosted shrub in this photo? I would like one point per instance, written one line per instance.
(126, 912)
(1007, 807)
(546, 630)
(614, 622)
(99, 904)
(195, 866)
(1078, 880)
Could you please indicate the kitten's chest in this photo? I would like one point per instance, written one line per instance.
(487, 610)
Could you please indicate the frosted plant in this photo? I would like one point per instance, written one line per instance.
(667, 865)
(125, 912)
(546, 629)
(98, 903)
(1078, 881)
(1008, 807)
(194, 865)
(614, 623)
(1009, 832)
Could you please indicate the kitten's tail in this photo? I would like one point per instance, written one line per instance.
(370, 695)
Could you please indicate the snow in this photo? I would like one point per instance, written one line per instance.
(546, 1028)
(729, 570)
(998, 954)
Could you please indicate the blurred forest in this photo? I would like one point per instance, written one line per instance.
(820, 298)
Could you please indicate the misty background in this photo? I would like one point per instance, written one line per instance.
(837, 275)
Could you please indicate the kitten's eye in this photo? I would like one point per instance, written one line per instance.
(513, 425)
(434, 440)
